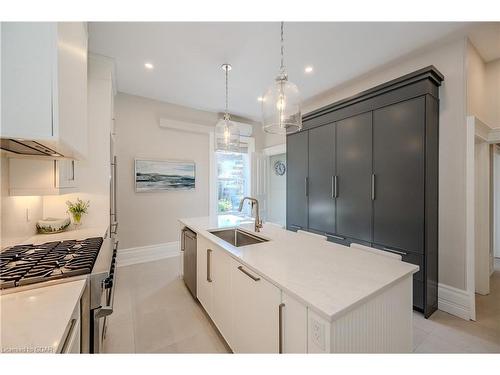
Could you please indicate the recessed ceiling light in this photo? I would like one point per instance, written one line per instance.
(148, 66)
(260, 99)
(308, 69)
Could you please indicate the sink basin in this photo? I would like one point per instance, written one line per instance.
(237, 237)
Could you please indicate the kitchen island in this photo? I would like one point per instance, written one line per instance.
(296, 293)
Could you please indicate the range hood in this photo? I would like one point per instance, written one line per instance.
(26, 147)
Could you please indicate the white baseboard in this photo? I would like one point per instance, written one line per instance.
(135, 255)
(454, 301)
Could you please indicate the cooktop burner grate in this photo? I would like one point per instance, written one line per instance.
(28, 264)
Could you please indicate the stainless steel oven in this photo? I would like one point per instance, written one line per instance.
(102, 291)
(97, 299)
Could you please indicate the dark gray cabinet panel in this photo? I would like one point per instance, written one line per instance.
(296, 198)
(354, 176)
(321, 172)
(398, 165)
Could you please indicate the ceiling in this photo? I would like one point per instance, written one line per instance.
(187, 57)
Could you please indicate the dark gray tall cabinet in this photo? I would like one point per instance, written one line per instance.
(365, 170)
(297, 184)
(321, 162)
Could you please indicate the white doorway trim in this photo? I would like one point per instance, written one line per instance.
(267, 153)
(496, 201)
(476, 130)
(470, 216)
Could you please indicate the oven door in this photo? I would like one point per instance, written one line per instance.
(101, 314)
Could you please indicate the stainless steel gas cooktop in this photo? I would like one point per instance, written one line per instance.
(29, 264)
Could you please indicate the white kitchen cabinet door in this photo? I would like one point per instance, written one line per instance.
(71, 119)
(42, 176)
(71, 341)
(221, 283)
(294, 325)
(27, 79)
(44, 84)
(255, 310)
(203, 278)
(65, 174)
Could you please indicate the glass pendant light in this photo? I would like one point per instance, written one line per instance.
(281, 103)
(227, 135)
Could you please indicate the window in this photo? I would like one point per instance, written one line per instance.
(233, 181)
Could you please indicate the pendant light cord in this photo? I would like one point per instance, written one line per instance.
(282, 67)
(226, 116)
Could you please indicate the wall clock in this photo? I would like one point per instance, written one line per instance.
(279, 168)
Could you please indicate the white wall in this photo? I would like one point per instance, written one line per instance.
(476, 85)
(449, 58)
(277, 192)
(493, 93)
(151, 218)
(14, 225)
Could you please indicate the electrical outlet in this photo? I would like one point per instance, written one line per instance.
(317, 333)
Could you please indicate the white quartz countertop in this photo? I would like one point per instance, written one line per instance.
(35, 320)
(329, 278)
(72, 234)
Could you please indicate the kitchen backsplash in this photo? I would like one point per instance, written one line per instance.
(18, 214)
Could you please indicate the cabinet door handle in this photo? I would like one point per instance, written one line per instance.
(334, 236)
(254, 278)
(280, 327)
(336, 186)
(306, 186)
(373, 186)
(394, 251)
(209, 265)
(115, 165)
(333, 188)
(183, 240)
(72, 170)
(71, 324)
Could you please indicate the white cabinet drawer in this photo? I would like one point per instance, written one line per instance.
(255, 311)
(294, 320)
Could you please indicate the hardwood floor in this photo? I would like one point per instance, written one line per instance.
(155, 313)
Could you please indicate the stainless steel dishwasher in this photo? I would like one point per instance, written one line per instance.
(188, 245)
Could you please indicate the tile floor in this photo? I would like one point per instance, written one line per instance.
(154, 313)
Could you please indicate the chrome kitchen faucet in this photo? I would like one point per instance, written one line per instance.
(253, 202)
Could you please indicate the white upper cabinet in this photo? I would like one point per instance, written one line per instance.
(44, 85)
(42, 176)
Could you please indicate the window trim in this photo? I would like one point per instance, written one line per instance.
(250, 141)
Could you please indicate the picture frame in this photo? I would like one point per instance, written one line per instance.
(153, 175)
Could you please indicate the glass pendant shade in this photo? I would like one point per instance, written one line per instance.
(281, 108)
(281, 103)
(227, 136)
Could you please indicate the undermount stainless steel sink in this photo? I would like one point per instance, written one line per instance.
(237, 237)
